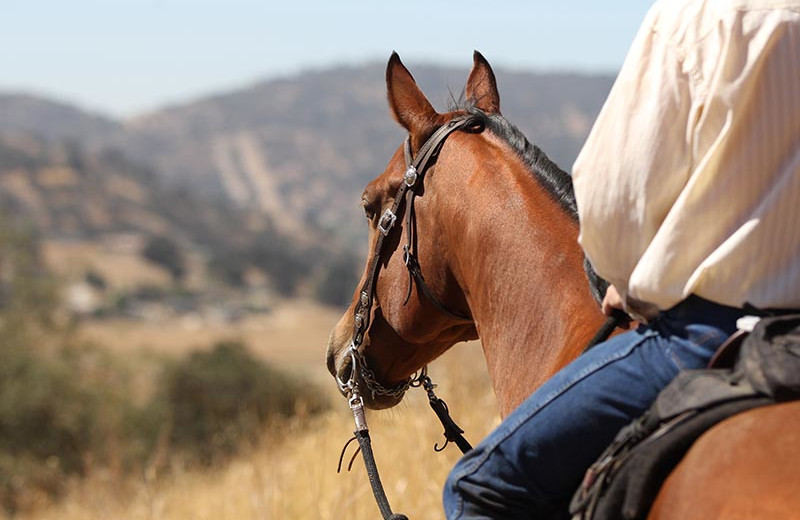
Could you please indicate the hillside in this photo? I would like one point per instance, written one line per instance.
(263, 180)
(284, 146)
(54, 120)
(300, 149)
(71, 195)
(67, 191)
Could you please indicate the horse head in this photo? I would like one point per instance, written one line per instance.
(412, 321)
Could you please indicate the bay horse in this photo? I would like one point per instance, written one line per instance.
(494, 230)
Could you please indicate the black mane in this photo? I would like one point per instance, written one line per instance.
(553, 179)
(556, 182)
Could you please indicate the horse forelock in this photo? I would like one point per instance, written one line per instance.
(556, 182)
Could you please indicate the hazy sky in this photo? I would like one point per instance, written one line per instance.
(123, 57)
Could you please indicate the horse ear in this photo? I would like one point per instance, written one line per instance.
(482, 86)
(408, 104)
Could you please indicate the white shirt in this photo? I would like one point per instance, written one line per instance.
(689, 182)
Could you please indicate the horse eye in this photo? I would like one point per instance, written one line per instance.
(368, 211)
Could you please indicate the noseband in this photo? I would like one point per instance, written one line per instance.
(412, 179)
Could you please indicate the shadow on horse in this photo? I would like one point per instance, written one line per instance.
(494, 230)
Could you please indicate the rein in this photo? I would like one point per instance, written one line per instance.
(617, 319)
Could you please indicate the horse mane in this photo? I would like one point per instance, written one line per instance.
(556, 182)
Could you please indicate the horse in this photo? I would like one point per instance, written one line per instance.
(494, 230)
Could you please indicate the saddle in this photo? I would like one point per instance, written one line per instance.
(752, 369)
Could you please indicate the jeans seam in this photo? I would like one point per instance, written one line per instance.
(704, 340)
(550, 397)
(705, 337)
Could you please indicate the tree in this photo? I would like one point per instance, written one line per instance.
(165, 253)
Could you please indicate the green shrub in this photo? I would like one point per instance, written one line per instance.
(78, 406)
(46, 422)
(219, 399)
(66, 407)
(165, 252)
(63, 410)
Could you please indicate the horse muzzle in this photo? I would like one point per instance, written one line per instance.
(344, 366)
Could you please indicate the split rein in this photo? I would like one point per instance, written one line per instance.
(412, 178)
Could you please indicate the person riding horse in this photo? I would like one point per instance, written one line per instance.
(688, 193)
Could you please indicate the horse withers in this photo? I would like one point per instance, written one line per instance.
(493, 228)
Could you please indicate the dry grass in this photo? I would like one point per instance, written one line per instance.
(122, 269)
(293, 335)
(291, 474)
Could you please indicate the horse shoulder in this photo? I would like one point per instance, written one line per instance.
(746, 467)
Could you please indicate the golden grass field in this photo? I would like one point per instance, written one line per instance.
(292, 335)
(291, 472)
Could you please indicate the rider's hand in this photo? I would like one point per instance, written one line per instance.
(612, 300)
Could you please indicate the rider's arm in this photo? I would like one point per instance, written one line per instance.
(691, 172)
(636, 159)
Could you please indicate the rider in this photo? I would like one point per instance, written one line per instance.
(688, 192)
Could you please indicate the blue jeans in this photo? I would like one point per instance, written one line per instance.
(532, 463)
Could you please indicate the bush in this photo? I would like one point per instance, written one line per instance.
(65, 412)
(46, 423)
(27, 291)
(165, 253)
(219, 399)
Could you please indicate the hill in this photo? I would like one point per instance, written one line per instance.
(300, 149)
(67, 193)
(265, 177)
(54, 120)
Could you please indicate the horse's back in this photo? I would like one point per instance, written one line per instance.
(746, 467)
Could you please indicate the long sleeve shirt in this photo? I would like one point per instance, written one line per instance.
(689, 182)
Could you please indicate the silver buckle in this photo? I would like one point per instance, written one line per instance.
(386, 222)
(410, 177)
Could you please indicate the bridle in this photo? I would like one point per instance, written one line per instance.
(412, 180)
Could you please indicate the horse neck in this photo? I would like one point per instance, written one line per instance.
(527, 290)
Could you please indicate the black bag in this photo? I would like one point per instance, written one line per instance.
(625, 480)
(771, 357)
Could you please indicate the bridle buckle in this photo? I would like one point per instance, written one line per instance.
(386, 222)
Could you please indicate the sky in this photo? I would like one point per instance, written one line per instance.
(127, 57)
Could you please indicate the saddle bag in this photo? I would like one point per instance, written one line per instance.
(625, 480)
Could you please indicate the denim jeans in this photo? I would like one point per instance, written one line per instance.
(532, 463)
